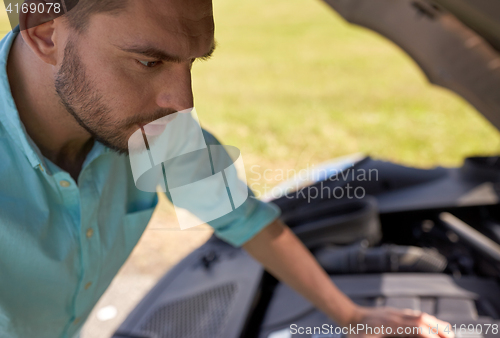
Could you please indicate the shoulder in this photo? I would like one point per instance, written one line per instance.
(210, 139)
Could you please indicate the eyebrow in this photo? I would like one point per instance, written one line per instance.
(158, 54)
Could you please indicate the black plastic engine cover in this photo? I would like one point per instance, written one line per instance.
(209, 294)
(468, 300)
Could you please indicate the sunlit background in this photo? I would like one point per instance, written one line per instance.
(292, 85)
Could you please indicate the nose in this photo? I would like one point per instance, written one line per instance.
(175, 88)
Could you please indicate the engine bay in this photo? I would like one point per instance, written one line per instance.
(427, 240)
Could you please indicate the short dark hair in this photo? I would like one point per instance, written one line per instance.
(79, 11)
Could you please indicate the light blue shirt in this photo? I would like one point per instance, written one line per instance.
(61, 243)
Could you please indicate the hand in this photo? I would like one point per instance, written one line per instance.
(393, 319)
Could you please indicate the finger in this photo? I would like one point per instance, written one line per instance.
(440, 328)
(419, 326)
(433, 327)
(444, 328)
(404, 328)
(404, 323)
(409, 314)
(416, 329)
(412, 312)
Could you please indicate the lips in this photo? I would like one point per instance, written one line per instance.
(154, 128)
(158, 126)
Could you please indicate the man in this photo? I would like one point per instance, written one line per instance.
(74, 89)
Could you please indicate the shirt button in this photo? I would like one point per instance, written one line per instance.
(88, 285)
(64, 183)
(41, 168)
(76, 321)
(90, 232)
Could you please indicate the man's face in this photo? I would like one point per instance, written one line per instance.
(134, 67)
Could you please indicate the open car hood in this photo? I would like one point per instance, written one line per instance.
(455, 42)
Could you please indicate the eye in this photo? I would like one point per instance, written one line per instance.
(149, 64)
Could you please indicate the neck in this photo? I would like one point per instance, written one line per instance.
(56, 133)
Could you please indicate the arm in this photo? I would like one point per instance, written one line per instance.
(282, 254)
(286, 258)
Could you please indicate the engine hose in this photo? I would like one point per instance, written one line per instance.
(386, 258)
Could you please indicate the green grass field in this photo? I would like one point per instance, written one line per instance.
(291, 84)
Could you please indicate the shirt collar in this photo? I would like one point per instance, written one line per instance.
(9, 115)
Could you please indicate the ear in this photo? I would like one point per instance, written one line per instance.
(39, 33)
